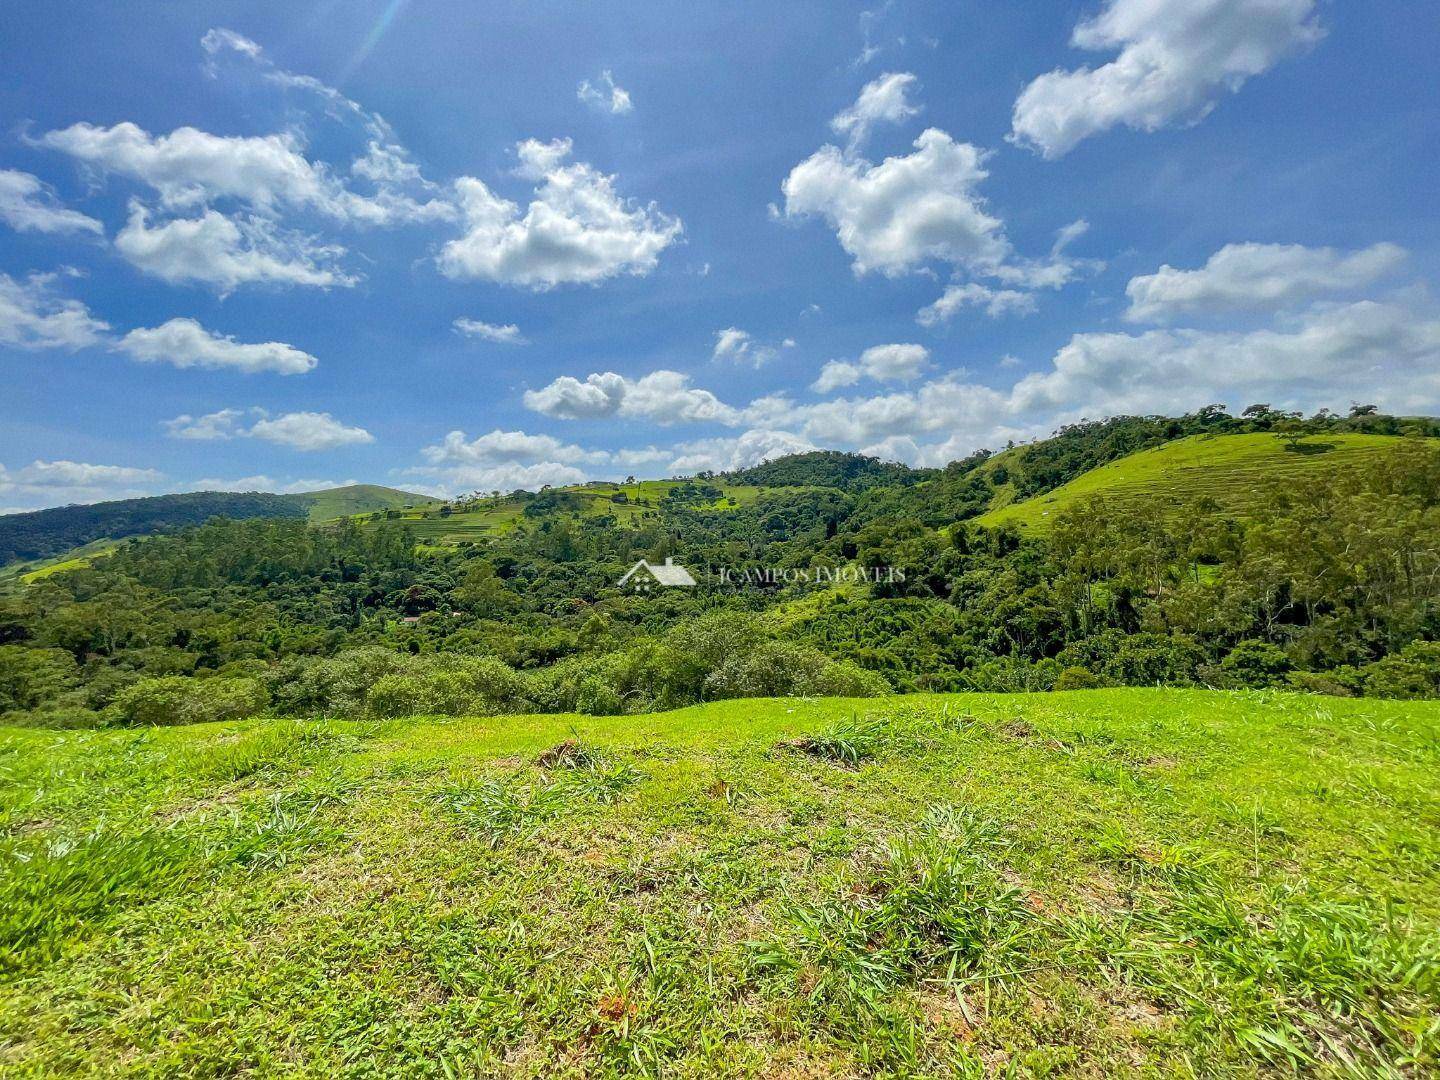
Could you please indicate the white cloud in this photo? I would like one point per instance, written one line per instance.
(994, 302)
(906, 211)
(604, 95)
(1176, 58)
(1257, 277)
(500, 447)
(506, 334)
(185, 343)
(738, 346)
(835, 374)
(261, 482)
(741, 452)
(33, 317)
(59, 483)
(894, 363)
(662, 397)
(883, 363)
(297, 430)
(190, 168)
(224, 424)
(883, 100)
(27, 205)
(309, 431)
(213, 249)
(576, 230)
(1386, 352)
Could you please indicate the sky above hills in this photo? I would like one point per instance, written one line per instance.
(451, 246)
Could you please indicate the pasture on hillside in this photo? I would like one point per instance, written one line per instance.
(1233, 470)
(1115, 882)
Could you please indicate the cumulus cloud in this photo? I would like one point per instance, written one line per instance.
(741, 452)
(505, 460)
(882, 100)
(225, 252)
(994, 302)
(32, 316)
(738, 346)
(27, 205)
(661, 397)
(604, 95)
(184, 343)
(190, 168)
(895, 216)
(309, 431)
(883, 363)
(1257, 277)
(261, 482)
(58, 483)
(499, 447)
(212, 427)
(1176, 58)
(297, 430)
(502, 334)
(575, 230)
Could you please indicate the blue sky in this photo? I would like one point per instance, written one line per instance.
(453, 246)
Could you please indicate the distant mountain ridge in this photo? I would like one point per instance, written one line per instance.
(45, 534)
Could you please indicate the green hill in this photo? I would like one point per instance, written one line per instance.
(47, 534)
(1107, 883)
(329, 504)
(435, 522)
(1234, 470)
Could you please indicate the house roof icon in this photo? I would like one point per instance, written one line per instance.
(667, 573)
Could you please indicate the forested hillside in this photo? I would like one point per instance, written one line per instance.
(43, 534)
(1327, 580)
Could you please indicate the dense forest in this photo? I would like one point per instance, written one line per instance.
(1329, 586)
(43, 534)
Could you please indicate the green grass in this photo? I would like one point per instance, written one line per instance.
(74, 559)
(1106, 883)
(331, 504)
(1234, 470)
(493, 516)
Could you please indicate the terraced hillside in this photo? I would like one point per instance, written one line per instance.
(1234, 470)
(1107, 883)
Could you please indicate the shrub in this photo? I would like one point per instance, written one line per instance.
(1341, 682)
(1012, 675)
(845, 678)
(1398, 677)
(174, 699)
(771, 669)
(56, 716)
(596, 697)
(400, 695)
(1257, 664)
(1079, 678)
(337, 686)
(29, 676)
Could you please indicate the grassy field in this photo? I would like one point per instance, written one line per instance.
(1234, 470)
(491, 516)
(73, 559)
(1120, 882)
(334, 503)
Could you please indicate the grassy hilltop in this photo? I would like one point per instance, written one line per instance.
(1233, 470)
(1121, 882)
